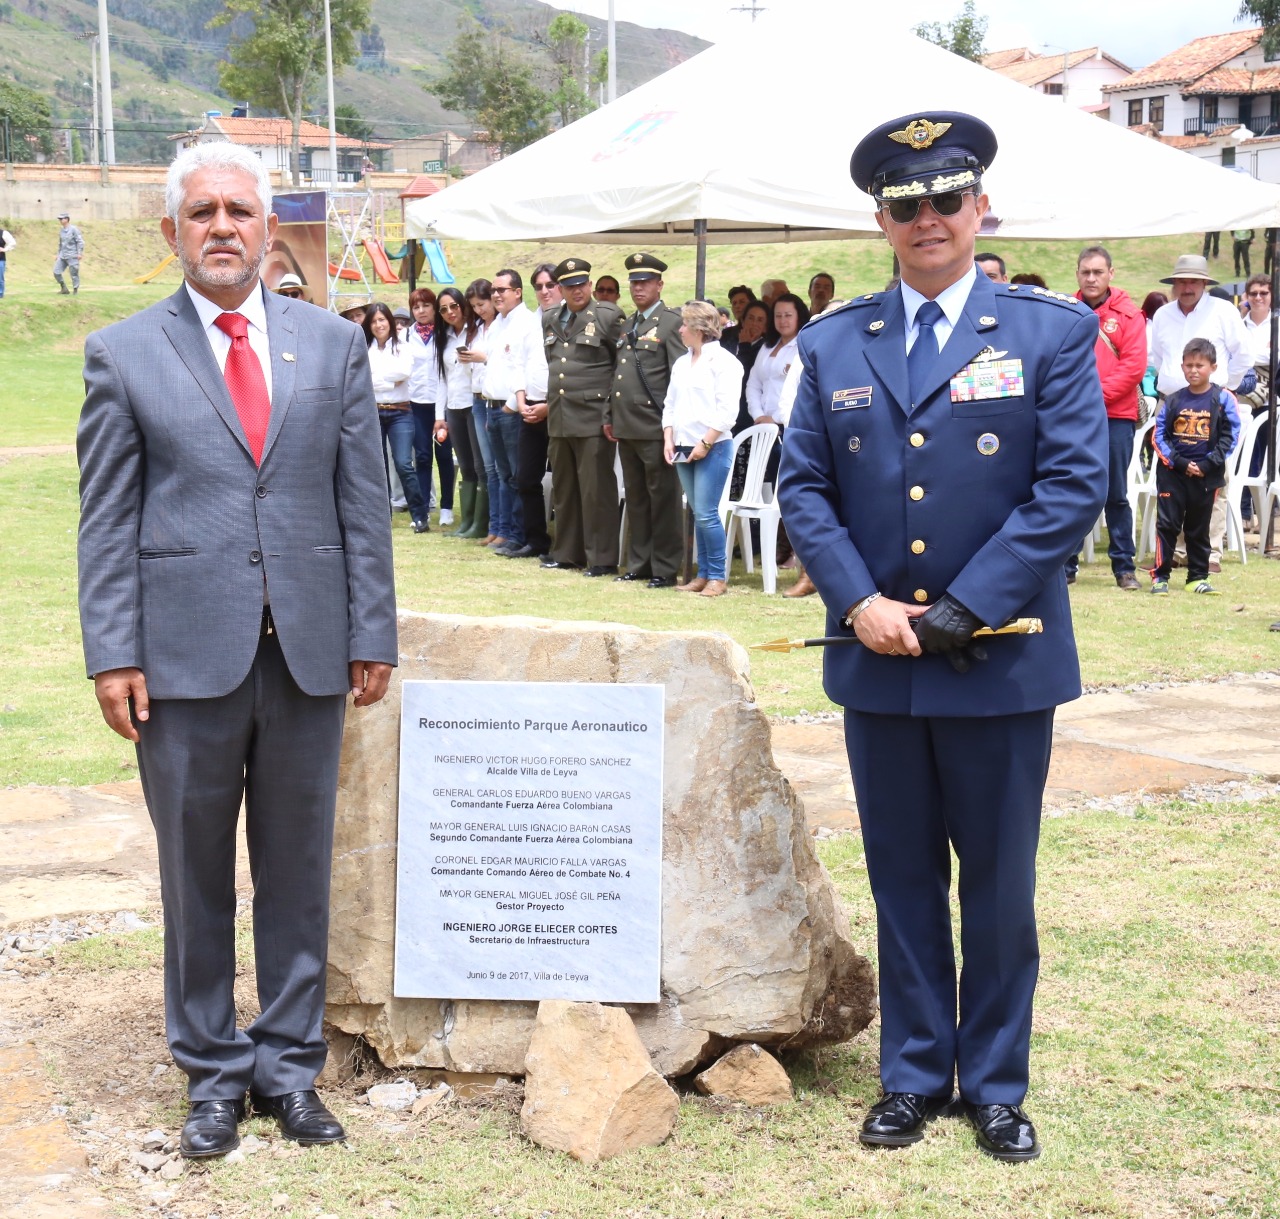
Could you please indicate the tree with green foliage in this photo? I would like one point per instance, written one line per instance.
(572, 75)
(348, 121)
(1267, 14)
(279, 63)
(963, 34)
(25, 123)
(493, 82)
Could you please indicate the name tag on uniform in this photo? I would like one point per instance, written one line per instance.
(851, 399)
(989, 379)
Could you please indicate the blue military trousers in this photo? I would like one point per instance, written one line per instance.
(926, 786)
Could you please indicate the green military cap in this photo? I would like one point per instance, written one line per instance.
(644, 266)
(572, 271)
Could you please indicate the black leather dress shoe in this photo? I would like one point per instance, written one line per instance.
(210, 1128)
(601, 569)
(301, 1116)
(1004, 1131)
(898, 1119)
(555, 565)
(422, 526)
(633, 575)
(662, 582)
(523, 552)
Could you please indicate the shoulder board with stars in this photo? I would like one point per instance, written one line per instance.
(1030, 292)
(840, 306)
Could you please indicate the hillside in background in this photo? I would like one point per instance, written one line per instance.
(165, 62)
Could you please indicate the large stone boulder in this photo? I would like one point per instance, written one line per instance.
(589, 1086)
(755, 943)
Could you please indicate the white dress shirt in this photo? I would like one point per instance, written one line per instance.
(1259, 339)
(703, 397)
(951, 300)
(254, 310)
(453, 391)
(1212, 319)
(516, 359)
(390, 368)
(768, 375)
(424, 357)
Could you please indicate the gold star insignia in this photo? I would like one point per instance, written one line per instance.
(920, 133)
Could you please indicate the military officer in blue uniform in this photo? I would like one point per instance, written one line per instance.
(947, 450)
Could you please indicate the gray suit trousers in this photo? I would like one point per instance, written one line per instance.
(276, 748)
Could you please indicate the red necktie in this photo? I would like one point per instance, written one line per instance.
(245, 381)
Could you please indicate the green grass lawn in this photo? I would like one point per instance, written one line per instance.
(1154, 1069)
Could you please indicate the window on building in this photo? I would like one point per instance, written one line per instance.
(1135, 112)
(1155, 111)
(1228, 157)
(1209, 109)
(1053, 88)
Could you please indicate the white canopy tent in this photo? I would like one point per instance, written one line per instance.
(664, 163)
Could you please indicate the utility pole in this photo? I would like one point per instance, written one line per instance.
(94, 58)
(108, 119)
(753, 8)
(333, 119)
(613, 56)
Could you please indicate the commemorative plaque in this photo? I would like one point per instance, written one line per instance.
(530, 841)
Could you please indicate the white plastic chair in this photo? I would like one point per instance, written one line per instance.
(1142, 490)
(756, 503)
(1239, 479)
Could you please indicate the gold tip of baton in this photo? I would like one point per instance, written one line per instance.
(1019, 626)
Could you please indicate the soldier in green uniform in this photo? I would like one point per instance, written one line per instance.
(581, 342)
(649, 346)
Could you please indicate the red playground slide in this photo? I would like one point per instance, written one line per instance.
(381, 265)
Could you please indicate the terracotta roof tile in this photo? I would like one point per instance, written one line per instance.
(995, 60)
(1032, 72)
(1236, 80)
(1192, 61)
(266, 131)
(422, 186)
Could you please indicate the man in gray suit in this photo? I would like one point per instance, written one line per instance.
(235, 583)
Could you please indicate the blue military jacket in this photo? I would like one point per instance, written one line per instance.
(982, 491)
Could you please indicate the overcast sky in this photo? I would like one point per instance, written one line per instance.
(1135, 33)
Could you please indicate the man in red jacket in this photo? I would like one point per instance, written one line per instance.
(1121, 351)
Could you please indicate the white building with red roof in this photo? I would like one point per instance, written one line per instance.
(1076, 76)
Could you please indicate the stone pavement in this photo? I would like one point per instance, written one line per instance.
(77, 851)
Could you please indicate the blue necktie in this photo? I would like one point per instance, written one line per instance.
(924, 350)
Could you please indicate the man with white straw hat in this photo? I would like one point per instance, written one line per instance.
(1194, 314)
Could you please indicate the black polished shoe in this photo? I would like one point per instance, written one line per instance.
(555, 565)
(301, 1116)
(525, 552)
(210, 1129)
(601, 569)
(898, 1119)
(632, 575)
(422, 526)
(1004, 1132)
(662, 582)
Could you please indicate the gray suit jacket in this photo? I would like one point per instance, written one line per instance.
(177, 524)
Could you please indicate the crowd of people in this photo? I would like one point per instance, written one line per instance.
(492, 393)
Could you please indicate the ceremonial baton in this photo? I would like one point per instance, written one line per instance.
(1019, 626)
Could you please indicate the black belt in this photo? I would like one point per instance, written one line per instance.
(268, 623)
(496, 401)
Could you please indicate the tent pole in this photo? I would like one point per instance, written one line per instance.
(1265, 538)
(700, 274)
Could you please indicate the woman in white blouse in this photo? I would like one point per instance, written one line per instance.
(697, 425)
(769, 372)
(449, 387)
(391, 365)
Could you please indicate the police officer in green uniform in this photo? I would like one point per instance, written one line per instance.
(581, 342)
(649, 346)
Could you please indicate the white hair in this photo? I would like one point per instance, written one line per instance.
(214, 154)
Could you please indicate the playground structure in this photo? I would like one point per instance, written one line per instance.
(359, 220)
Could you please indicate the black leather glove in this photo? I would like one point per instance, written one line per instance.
(946, 628)
(1248, 383)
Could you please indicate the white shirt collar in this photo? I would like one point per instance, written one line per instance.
(253, 307)
(952, 300)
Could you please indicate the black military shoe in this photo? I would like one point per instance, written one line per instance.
(210, 1129)
(662, 582)
(601, 569)
(555, 565)
(898, 1119)
(1004, 1131)
(633, 575)
(301, 1116)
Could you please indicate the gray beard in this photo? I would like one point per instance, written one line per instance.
(228, 277)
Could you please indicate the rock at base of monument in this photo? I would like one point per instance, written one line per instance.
(755, 943)
(345, 1051)
(590, 1089)
(748, 1075)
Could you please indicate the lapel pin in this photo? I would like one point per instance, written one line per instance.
(986, 321)
(876, 326)
(287, 356)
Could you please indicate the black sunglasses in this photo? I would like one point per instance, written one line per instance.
(904, 211)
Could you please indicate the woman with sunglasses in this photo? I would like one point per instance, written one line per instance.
(484, 529)
(391, 365)
(449, 388)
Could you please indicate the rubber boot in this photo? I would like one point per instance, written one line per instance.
(480, 525)
(467, 511)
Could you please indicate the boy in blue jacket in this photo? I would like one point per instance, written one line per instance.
(1196, 429)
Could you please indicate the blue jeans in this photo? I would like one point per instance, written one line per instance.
(397, 429)
(479, 412)
(504, 437)
(3, 262)
(1117, 512)
(424, 447)
(703, 481)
